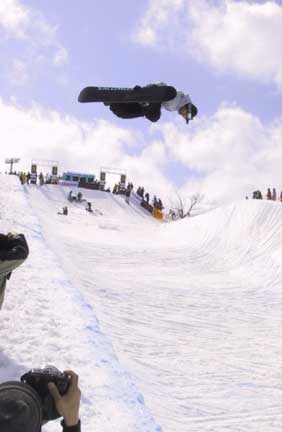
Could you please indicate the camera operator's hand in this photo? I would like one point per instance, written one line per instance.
(68, 404)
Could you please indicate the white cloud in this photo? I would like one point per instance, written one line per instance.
(14, 18)
(60, 57)
(157, 16)
(232, 151)
(18, 21)
(240, 37)
(30, 44)
(18, 73)
(43, 134)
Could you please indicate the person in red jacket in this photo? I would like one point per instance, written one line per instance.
(21, 406)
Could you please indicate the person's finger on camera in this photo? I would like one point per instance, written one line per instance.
(74, 378)
(54, 391)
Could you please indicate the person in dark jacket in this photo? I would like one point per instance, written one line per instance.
(182, 104)
(13, 252)
(21, 406)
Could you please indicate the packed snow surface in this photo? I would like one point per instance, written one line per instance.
(170, 326)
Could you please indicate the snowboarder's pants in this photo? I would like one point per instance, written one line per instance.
(132, 110)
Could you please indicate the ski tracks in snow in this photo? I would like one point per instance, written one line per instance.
(193, 308)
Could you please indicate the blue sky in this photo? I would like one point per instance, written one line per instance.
(225, 54)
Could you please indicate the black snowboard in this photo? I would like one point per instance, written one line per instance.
(127, 95)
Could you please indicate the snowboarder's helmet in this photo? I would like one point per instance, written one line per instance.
(188, 111)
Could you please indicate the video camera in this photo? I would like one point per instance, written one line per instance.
(39, 379)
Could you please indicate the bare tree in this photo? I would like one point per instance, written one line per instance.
(184, 206)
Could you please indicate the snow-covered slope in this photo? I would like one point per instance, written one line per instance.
(46, 320)
(192, 309)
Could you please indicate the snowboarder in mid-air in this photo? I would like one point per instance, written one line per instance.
(139, 101)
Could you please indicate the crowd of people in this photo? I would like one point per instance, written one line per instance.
(156, 202)
(27, 178)
(270, 195)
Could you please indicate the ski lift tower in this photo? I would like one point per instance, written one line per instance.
(11, 161)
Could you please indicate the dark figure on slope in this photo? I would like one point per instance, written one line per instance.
(65, 211)
(268, 195)
(89, 207)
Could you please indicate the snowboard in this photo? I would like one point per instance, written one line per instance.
(108, 95)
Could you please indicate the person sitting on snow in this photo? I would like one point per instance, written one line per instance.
(71, 198)
(65, 211)
(152, 111)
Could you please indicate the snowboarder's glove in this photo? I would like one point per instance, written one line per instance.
(13, 247)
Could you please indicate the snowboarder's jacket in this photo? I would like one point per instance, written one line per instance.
(152, 111)
(13, 252)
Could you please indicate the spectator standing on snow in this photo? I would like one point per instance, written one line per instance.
(257, 194)
(268, 195)
(274, 194)
(147, 197)
(41, 179)
(160, 204)
(89, 207)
